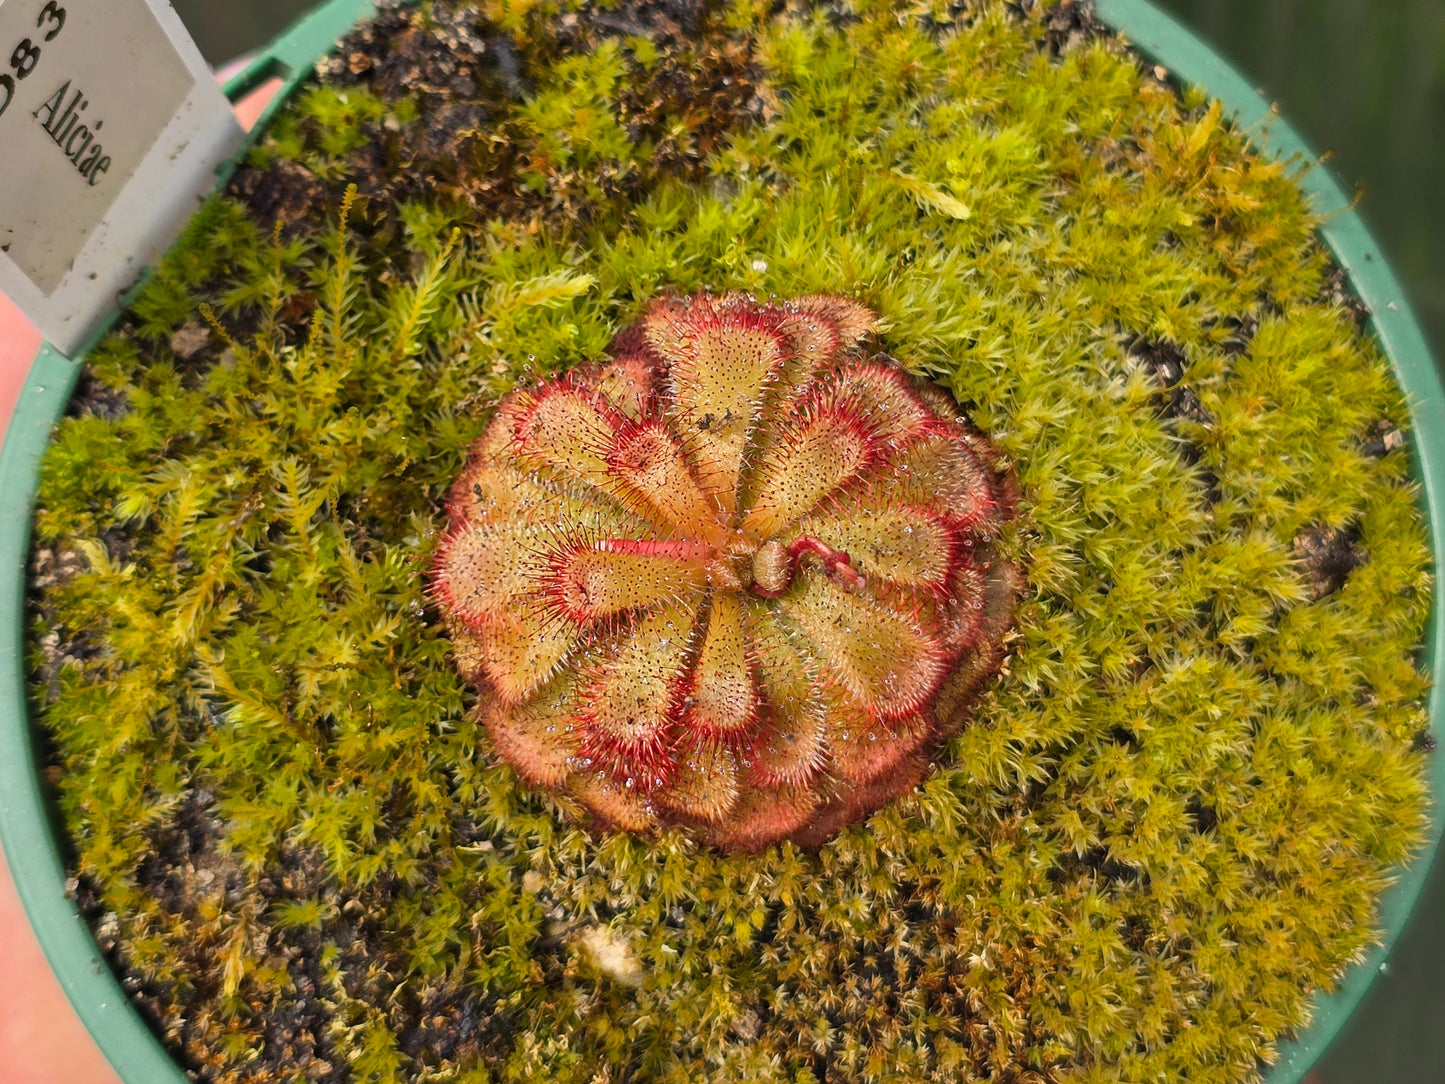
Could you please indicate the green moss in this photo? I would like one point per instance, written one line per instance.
(1169, 823)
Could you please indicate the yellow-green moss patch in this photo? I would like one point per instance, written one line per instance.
(1171, 820)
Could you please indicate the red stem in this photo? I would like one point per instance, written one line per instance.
(837, 565)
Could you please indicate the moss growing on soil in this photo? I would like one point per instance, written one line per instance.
(1168, 825)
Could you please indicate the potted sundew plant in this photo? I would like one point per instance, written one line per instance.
(723, 541)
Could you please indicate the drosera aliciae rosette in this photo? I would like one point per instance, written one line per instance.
(740, 578)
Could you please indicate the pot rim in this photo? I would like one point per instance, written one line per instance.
(32, 846)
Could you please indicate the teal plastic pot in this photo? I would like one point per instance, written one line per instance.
(32, 849)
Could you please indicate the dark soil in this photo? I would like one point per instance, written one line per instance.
(186, 873)
(1338, 292)
(1328, 556)
(1069, 24)
(458, 68)
(1382, 438)
(1165, 362)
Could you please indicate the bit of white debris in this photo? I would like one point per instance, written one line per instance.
(748, 1027)
(610, 953)
(108, 928)
(532, 882)
(760, 265)
(189, 340)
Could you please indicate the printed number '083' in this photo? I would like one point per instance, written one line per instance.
(27, 54)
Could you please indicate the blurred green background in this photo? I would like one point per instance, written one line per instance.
(1364, 81)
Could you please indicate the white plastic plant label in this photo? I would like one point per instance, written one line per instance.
(111, 130)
